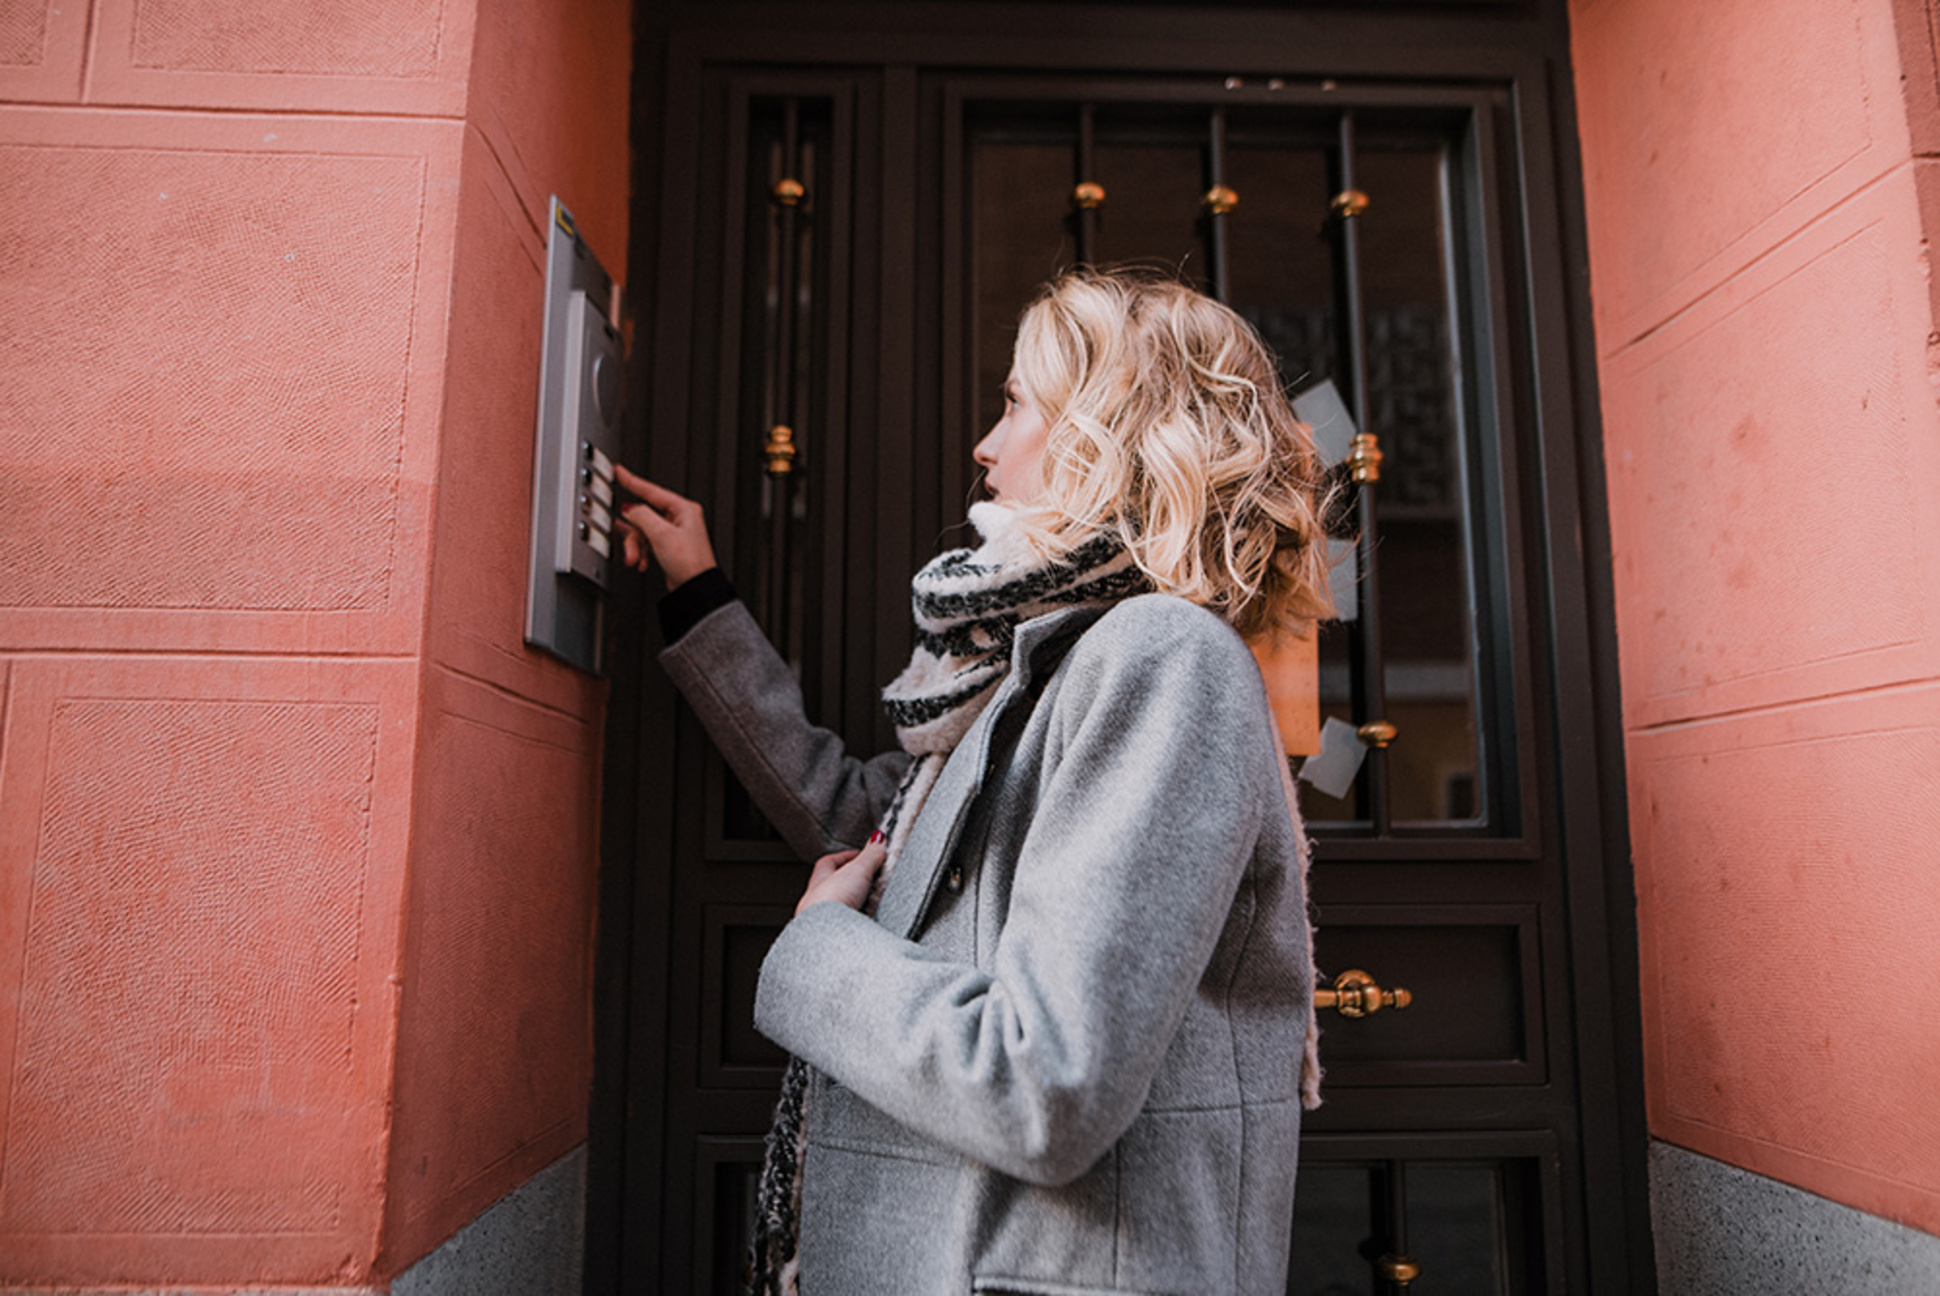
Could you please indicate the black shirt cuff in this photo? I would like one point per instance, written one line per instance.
(682, 607)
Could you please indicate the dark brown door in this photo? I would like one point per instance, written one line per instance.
(839, 221)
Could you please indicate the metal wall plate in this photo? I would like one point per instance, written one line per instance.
(576, 439)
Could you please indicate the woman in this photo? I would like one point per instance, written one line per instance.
(1068, 1052)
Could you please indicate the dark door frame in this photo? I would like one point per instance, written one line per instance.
(1521, 46)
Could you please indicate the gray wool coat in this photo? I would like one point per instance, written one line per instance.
(1063, 1057)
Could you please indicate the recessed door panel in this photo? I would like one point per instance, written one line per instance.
(1472, 977)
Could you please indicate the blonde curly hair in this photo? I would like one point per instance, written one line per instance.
(1166, 423)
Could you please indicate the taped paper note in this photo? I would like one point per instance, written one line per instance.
(1321, 408)
(1341, 754)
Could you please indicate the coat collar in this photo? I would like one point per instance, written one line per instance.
(1035, 650)
(1031, 649)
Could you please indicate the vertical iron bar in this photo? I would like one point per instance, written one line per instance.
(1087, 212)
(776, 161)
(785, 333)
(1397, 1186)
(1216, 210)
(1372, 693)
(773, 165)
(801, 372)
(783, 369)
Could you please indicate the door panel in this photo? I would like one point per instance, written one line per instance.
(1471, 1215)
(1471, 969)
(868, 309)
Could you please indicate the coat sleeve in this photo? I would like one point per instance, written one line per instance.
(817, 795)
(1147, 819)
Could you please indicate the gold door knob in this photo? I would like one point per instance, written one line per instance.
(1364, 457)
(1397, 1269)
(780, 450)
(1355, 995)
(1219, 200)
(1348, 204)
(1377, 733)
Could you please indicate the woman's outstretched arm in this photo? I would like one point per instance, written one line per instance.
(801, 775)
(803, 778)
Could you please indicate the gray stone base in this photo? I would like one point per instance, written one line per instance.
(530, 1242)
(1722, 1231)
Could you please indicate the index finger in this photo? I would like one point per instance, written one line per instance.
(652, 492)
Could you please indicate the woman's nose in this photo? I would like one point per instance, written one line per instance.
(986, 450)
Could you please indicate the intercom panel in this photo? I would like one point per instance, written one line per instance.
(577, 440)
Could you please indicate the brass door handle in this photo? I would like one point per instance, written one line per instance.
(1356, 995)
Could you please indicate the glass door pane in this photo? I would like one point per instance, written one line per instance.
(1425, 544)
(1459, 1220)
(1285, 274)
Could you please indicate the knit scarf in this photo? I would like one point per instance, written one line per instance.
(968, 604)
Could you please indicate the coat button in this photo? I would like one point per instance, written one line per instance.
(954, 878)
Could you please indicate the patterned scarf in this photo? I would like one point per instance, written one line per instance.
(968, 605)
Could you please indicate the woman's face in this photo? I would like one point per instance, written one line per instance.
(1012, 452)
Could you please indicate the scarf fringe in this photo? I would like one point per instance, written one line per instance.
(1310, 1070)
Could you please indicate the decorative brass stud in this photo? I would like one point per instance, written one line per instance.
(1397, 1269)
(1355, 994)
(1219, 200)
(1364, 457)
(1377, 733)
(780, 450)
(1088, 196)
(789, 192)
(1348, 203)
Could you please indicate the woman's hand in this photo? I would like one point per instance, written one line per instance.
(666, 528)
(845, 877)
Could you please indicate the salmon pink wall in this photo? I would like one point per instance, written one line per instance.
(494, 1061)
(296, 837)
(1767, 345)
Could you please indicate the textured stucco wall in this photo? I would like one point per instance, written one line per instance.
(296, 838)
(494, 1060)
(1754, 175)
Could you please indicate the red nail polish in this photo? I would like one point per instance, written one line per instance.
(876, 837)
